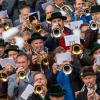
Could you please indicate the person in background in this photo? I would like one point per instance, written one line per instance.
(39, 80)
(12, 51)
(57, 22)
(16, 82)
(95, 12)
(56, 92)
(91, 90)
(24, 10)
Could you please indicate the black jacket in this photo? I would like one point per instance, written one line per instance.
(83, 95)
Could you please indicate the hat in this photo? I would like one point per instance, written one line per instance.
(95, 8)
(34, 14)
(93, 47)
(35, 35)
(57, 15)
(22, 4)
(56, 91)
(86, 71)
(12, 48)
(2, 42)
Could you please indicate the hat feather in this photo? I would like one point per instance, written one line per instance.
(10, 33)
(19, 42)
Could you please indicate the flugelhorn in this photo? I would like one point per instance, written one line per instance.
(21, 74)
(76, 49)
(56, 33)
(3, 76)
(67, 69)
(38, 89)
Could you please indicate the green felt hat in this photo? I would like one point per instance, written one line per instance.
(56, 91)
(36, 35)
(2, 42)
(22, 4)
(12, 48)
(95, 8)
(57, 15)
(87, 71)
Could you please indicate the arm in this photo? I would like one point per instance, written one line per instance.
(12, 87)
(64, 81)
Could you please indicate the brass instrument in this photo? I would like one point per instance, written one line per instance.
(21, 74)
(67, 69)
(98, 68)
(29, 26)
(5, 24)
(37, 27)
(45, 62)
(56, 33)
(38, 89)
(67, 8)
(76, 49)
(93, 25)
(3, 76)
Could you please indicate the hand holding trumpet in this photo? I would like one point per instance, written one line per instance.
(20, 73)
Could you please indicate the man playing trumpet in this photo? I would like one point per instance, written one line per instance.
(91, 90)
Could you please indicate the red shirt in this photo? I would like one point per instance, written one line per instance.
(62, 40)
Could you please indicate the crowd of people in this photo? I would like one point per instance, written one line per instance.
(38, 61)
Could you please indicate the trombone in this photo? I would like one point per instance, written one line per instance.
(38, 89)
(76, 49)
(21, 74)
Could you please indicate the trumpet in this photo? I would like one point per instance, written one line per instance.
(3, 76)
(76, 49)
(93, 25)
(67, 69)
(38, 89)
(21, 74)
(56, 33)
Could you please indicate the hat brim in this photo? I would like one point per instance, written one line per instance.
(6, 51)
(57, 94)
(62, 17)
(31, 39)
